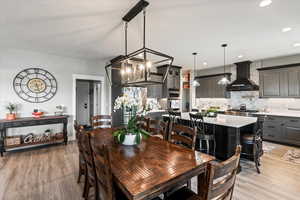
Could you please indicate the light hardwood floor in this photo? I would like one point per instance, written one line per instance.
(51, 173)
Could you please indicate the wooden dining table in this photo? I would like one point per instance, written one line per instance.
(151, 168)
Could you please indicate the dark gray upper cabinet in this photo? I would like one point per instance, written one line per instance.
(280, 81)
(209, 87)
(172, 82)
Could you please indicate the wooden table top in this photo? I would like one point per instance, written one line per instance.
(149, 168)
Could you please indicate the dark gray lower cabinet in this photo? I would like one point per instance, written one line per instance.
(282, 129)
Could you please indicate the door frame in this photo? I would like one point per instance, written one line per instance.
(100, 78)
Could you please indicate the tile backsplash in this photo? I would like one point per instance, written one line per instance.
(252, 101)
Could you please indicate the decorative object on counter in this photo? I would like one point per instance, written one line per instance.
(12, 140)
(12, 108)
(37, 114)
(59, 110)
(136, 68)
(131, 134)
(35, 85)
(195, 81)
(224, 80)
(211, 112)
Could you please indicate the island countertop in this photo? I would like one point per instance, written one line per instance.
(224, 120)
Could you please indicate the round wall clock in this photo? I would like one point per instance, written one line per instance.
(35, 85)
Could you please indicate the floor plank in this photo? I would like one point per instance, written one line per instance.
(51, 173)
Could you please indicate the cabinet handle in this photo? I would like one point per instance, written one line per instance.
(271, 135)
(293, 120)
(271, 126)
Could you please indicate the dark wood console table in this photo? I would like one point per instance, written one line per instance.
(30, 121)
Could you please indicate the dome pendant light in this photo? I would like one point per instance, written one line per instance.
(195, 82)
(224, 80)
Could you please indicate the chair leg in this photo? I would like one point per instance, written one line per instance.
(257, 166)
(200, 145)
(85, 184)
(207, 146)
(189, 184)
(87, 192)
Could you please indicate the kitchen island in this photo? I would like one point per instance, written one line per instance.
(227, 130)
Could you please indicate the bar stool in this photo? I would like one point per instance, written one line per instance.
(197, 121)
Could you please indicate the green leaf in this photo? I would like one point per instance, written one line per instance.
(138, 139)
(121, 138)
(144, 133)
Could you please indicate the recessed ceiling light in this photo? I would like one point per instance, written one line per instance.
(240, 56)
(265, 3)
(297, 45)
(204, 63)
(286, 29)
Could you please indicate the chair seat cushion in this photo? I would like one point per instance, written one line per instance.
(247, 137)
(183, 194)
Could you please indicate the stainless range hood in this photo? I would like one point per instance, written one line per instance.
(243, 81)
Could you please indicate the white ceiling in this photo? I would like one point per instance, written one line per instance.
(92, 29)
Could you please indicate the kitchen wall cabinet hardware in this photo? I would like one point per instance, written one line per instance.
(280, 81)
(209, 87)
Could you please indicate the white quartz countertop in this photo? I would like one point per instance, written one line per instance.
(225, 120)
(282, 113)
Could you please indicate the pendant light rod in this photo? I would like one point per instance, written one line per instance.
(126, 41)
(224, 46)
(195, 63)
(144, 34)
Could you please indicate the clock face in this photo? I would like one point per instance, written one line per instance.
(35, 85)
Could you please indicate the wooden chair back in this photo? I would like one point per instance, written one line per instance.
(197, 122)
(101, 121)
(183, 135)
(88, 155)
(103, 172)
(218, 182)
(157, 127)
(78, 130)
(143, 122)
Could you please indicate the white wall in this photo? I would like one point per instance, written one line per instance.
(238, 98)
(13, 61)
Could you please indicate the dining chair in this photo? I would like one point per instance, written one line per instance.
(90, 174)
(107, 190)
(202, 135)
(253, 144)
(143, 122)
(217, 183)
(158, 128)
(101, 121)
(82, 164)
(184, 136)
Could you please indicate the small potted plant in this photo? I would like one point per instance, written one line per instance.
(12, 111)
(131, 134)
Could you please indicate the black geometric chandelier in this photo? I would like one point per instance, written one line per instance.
(139, 67)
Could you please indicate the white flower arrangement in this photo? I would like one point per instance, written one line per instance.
(127, 102)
